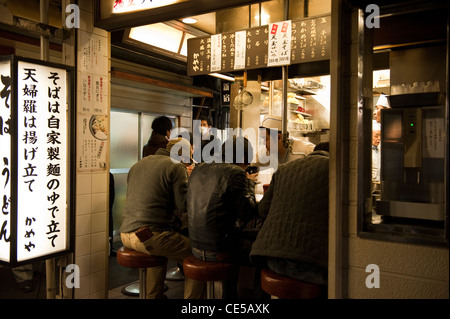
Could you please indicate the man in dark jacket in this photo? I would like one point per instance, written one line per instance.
(161, 128)
(293, 240)
(156, 190)
(220, 201)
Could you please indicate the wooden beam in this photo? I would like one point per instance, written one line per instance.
(160, 83)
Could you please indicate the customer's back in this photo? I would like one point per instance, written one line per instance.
(296, 210)
(219, 194)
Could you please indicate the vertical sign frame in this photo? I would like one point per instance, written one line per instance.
(42, 205)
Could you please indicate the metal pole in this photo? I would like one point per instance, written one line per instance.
(285, 133)
(45, 56)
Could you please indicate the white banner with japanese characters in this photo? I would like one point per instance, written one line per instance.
(42, 150)
(5, 157)
(279, 50)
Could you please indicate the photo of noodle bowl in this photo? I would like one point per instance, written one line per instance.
(97, 126)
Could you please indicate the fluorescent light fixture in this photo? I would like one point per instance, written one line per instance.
(189, 20)
(264, 87)
(222, 76)
(159, 35)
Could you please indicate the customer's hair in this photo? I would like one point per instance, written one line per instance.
(161, 125)
(242, 150)
(322, 146)
(207, 119)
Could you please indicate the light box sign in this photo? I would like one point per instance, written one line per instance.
(36, 207)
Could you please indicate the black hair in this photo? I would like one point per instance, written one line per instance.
(161, 125)
(240, 145)
(207, 119)
(322, 146)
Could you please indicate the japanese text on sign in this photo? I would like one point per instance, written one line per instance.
(42, 149)
(282, 43)
(279, 43)
(5, 159)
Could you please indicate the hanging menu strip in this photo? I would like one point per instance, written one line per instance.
(281, 43)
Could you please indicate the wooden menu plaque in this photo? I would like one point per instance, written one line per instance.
(310, 41)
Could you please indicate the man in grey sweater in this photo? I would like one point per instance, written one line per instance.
(156, 191)
(293, 240)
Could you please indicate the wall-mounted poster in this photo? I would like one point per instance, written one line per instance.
(92, 141)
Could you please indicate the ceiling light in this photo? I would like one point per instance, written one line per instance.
(223, 76)
(189, 20)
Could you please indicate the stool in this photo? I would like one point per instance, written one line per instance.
(130, 258)
(209, 271)
(289, 288)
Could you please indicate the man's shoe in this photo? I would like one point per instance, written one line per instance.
(26, 286)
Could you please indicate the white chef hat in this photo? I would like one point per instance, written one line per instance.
(272, 122)
(383, 101)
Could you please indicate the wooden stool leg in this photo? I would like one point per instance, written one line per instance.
(142, 283)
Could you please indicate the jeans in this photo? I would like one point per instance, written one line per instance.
(229, 288)
(172, 245)
(299, 270)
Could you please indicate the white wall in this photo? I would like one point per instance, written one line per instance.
(92, 194)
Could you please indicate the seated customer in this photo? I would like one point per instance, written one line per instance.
(161, 128)
(156, 190)
(293, 240)
(220, 201)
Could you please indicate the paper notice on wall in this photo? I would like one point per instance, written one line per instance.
(434, 138)
(240, 46)
(279, 50)
(216, 52)
(92, 141)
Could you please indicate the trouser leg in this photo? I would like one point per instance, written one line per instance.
(172, 245)
(155, 282)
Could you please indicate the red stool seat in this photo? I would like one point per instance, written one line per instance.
(209, 272)
(288, 288)
(203, 270)
(130, 258)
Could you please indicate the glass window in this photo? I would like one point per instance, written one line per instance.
(232, 19)
(124, 139)
(318, 7)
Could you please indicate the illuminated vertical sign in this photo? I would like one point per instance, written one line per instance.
(42, 167)
(5, 159)
(35, 142)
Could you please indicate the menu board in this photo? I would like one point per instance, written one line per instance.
(281, 43)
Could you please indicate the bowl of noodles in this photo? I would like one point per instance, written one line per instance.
(97, 126)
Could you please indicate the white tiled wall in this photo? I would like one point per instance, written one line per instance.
(92, 195)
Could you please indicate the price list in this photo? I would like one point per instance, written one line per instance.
(305, 40)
